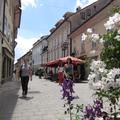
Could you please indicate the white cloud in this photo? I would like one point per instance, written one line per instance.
(84, 3)
(41, 4)
(90, 2)
(26, 3)
(78, 3)
(23, 45)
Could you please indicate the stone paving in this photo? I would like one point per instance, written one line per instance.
(42, 103)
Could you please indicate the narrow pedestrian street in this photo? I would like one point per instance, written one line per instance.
(43, 101)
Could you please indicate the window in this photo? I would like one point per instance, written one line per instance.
(5, 25)
(82, 46)
(83, 15)
(6, 1)
(88, 12)
(58, 53)
(1, 14)
(95, 8)
(9, 33)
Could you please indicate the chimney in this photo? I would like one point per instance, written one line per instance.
(78, 5)
(78, 8)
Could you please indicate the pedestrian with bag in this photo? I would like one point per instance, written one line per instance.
(25, 74)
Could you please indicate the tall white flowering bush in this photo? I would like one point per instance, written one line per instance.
(104, 76)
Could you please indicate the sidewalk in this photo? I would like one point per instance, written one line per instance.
(43, 101)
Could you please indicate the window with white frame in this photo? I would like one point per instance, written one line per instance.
(5, 26)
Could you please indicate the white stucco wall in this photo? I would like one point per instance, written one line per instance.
(56, 40)
(36, 56)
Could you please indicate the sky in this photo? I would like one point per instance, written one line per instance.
(38, 17)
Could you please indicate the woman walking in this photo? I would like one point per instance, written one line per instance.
(25, 74)
(68, 81)
(68, 70)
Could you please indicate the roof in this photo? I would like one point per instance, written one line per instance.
(28, 53)
(105, 5)
(64, 20)
(40, 40)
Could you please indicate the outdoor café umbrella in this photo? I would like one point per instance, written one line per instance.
(63, 60)
(74, 60)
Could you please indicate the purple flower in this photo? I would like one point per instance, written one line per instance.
(88, 113)
(68, 90)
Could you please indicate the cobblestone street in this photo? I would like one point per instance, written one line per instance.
(42, 103)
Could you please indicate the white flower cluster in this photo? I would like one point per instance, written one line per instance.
(90, 36)
(113, 74)
(118, 36)
(101, 78)
(113, 23)
(97, 65)
(112, 78)
(97, 72)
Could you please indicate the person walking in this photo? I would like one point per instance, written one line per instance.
(68, 81)
(68, 70)
(25, 74)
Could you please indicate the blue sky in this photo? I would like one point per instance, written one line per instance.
(38, 17)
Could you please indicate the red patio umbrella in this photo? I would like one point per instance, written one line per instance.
(64, 60)
(74, 60)
(52, 63)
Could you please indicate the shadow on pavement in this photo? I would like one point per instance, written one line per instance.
(8, 99)
(33, 92)
(82, 81)
(26, 98)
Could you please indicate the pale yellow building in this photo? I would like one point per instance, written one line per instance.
(93, 16)
(58, 41)
(1, 34)
(10, 25)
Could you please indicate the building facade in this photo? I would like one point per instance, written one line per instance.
(39, 53)
(10, 24)
(36, 55)
(93, 16)
(44, 54)
(58, 41)
(1, 34)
